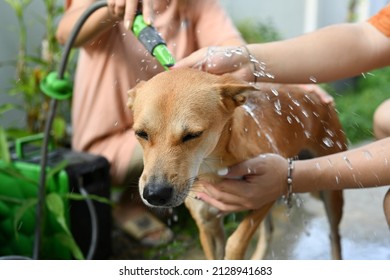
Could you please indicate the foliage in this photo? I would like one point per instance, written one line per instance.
(32, 68)
(257, 31)
(357, 105)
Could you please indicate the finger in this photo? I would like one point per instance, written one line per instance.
(192, 59)
(111, 6)
(147, 11)
(227, 191)
(129, 13)
(248, 167)
(119, 8)
(226, 208)
(325, 97)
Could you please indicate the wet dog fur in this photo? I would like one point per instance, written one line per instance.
(191, 124)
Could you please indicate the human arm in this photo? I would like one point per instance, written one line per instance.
(324, 55)
(100, 20)
(264, 178)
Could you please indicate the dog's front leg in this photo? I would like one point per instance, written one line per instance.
(210, 225)
(238, 242)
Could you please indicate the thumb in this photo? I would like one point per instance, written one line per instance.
(249, 167)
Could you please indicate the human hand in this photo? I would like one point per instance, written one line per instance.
(220, 60)
(248, 185)
(325, 97)
(127, 10)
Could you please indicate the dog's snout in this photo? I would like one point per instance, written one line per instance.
(158, 194)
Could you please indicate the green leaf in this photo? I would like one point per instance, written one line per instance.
(27, 204)
(55, 205)
(69, 242)
(4, 150)
(57, 168)
(6, 107)
(59, 127)
(76, 196)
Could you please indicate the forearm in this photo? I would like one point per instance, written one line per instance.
(328, 54)
(366, 166)
(98, 22)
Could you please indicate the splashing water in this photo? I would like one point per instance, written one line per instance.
(250, 112)
(259, 67)
(367, 155)
(278, 107)
(328, 142)
(275, 92)
(348, 162)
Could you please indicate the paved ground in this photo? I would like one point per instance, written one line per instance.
(302, 234)
(364, 231)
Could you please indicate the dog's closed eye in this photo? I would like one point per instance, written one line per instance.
(191, 136)
(142, 134)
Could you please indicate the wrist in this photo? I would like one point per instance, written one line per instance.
(289, 180)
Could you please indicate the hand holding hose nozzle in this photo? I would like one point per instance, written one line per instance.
(152, 41)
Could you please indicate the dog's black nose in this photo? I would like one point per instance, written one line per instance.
(158, 194)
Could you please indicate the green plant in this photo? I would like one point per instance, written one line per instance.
(258, 31)
(356, 106)
(32, 68)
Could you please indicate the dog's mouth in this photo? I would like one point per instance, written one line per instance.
(165, 194)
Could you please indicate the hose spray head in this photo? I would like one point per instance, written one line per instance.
(152, 41)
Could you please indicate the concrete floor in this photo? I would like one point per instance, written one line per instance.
(302, 234)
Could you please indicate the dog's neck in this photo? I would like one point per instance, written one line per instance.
(222, 156)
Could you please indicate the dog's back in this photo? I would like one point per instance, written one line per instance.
(285, 120)
(190, 123)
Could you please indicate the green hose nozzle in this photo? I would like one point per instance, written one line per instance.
(153, 42)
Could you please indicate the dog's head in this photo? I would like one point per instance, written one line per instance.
(179, 117)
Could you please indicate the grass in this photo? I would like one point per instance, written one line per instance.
(357, 105)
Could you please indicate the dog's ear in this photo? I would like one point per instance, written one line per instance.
(233, 90)
(132, 94)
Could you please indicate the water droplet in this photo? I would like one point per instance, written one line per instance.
(274, 91)
(278, 107)
(116, 123)
(228, 53)
(313, 79)
(330, 132)
(328, 142)
(289, 119)
(348, 162)
(295, 102)
(367, 154)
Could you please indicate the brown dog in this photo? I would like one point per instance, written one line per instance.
(191, 123)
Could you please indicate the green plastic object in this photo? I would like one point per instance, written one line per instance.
(56, 88)
(153, 42)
